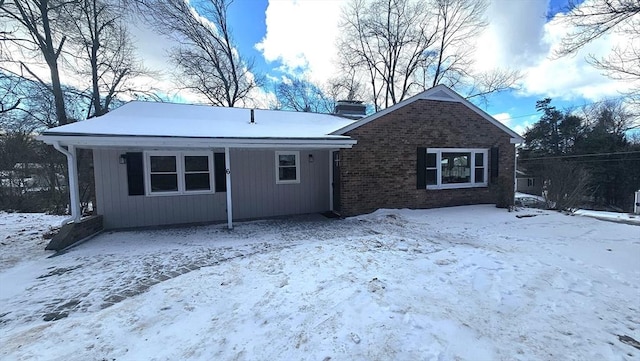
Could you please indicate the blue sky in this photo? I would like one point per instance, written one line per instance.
(284, 36)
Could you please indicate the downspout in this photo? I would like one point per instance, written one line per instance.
(74, 192)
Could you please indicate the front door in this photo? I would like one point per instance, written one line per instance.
(336, 181)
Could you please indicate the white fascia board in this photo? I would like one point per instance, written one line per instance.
(177, 142)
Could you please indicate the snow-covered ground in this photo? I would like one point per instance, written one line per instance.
(462, 283)
(610, 216)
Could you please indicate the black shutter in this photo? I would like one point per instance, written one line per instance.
(495, 155)
(421, 170)
(220, 172)
(135, 174)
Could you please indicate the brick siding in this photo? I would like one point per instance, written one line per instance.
(380, 171)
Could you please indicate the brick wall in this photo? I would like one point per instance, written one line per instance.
(380, 171)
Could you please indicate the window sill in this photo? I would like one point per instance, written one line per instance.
(288, 182)
(457, 186)
(168, 194)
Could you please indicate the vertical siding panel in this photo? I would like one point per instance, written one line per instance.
(246, 183)
(236, 194)
(237, 189)
(255, 192)
(98, 172)
(266, 174)
(114, 185)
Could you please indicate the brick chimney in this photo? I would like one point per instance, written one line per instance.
(352, 109)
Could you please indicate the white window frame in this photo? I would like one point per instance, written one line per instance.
(297, 158)
(473, 151)
(180, 169)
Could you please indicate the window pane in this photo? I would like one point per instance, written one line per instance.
(431, 177)
(163, 163)
(479, 175)
(164, 182)
(287, 173)
(286, 160)
(456, 168)
(431, 160)
(197, 181)
(196, 163)
(479, 159)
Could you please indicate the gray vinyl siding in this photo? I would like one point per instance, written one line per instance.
(254, 189)
(120, 210)
(256, 194)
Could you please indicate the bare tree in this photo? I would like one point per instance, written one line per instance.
(302, 96)
(38, 33)
(594, 19)
(104, 51)
(207, 60)
(347, 86)
(405, 46)
(458, 23)
(566, 184)
(10, 98)
(390, 42)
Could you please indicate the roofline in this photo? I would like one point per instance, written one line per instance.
(130, 141)
(429, 95)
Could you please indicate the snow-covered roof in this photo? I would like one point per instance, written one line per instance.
(170, 120)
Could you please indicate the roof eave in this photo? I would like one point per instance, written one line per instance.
(99, 141)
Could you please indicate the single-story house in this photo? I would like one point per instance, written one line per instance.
(527, 183)
(161, 164)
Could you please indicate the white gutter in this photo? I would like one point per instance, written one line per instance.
(178, 142)
(74, 192)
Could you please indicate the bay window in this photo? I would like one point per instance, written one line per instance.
(456, 168)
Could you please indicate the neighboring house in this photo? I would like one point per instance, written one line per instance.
(526, 183)
(160, 164)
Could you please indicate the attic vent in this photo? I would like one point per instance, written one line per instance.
(352, 109)
(441, 94)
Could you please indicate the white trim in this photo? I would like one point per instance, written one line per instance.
(330, 142)
(472, 167)
(433, 94)
(296, 155)
(180, 172)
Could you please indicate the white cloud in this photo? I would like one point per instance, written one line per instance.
(572, 76)
(302, 36)
(520, 37)
(504, 118)
(513, 36)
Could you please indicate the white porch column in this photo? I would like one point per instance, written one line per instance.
(74, 191)
(227, 162)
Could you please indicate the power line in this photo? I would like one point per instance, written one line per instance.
(541, 161)
(581, 155)
(573, 107)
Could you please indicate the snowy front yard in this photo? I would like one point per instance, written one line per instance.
(463, 283)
